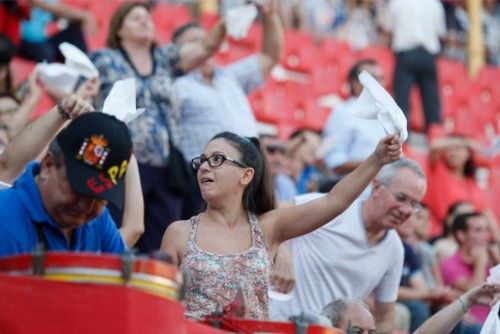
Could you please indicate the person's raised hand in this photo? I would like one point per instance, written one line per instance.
(74, 106)
(266, 7)
(484, 294)
(388, 149)
(89, 89)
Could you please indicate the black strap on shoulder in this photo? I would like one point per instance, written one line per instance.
(42, 239)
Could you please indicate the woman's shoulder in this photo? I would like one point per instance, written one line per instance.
(179, 226)
(104, 54)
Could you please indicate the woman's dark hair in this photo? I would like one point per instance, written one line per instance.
(258, 196)
(113, 41)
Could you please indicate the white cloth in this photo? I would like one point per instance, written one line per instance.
(120, 101)
(353, 139)
(375, 103)
(57, 76)
(77, 60)
(239, 20)
(337, 261)
(492, 322)
(416, 23)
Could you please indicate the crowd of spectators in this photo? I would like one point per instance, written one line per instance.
(414, 236)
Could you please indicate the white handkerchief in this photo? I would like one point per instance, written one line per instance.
(375, 103)
(494, 276)
(121, 101)
(57, 76)
(4, 185)
(239, 20)
(77, 60)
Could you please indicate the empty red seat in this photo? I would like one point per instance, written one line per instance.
(167, 17)
(300, 52)
(21, 69)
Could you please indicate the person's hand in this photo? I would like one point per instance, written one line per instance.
(484, 294)
(34, 89)
(388, 149)
(443, 295)
(266, 7)
(74, 106)
(89, 89)
(283, 274)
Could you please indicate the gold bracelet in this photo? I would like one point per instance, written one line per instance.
(464, 308)
(61, 111)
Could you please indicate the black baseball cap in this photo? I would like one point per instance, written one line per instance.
(97, 149)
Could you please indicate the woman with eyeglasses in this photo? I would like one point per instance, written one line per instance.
(228, 248)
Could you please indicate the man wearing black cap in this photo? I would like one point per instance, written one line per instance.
(61, 202)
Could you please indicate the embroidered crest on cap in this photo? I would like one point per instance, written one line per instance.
(94, 151)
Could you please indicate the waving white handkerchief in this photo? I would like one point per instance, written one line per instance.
(239, 20)
(375, 103)
(57, 76)
(121, 101)
(494, 276)
(78, 60)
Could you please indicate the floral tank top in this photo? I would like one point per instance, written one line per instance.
(214, 280)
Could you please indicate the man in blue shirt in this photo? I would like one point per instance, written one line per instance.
(61, 202)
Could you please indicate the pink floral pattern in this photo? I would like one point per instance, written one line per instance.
(214, 280)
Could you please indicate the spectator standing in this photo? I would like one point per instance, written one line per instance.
(352, 138)
(416, 28)
(37, 45)
(132, 52)
(213, 99)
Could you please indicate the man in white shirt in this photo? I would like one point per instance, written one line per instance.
(416, 27)
(353, 138)
(358, 254)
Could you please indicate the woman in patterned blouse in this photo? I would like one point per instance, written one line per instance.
(227, 249)
(132, 53)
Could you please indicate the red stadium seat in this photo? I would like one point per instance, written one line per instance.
(487, 81)
(300, 53)
(167, 17)
(21, 69)
(333, 64)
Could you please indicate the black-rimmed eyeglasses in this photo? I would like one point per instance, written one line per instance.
(215, 160)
